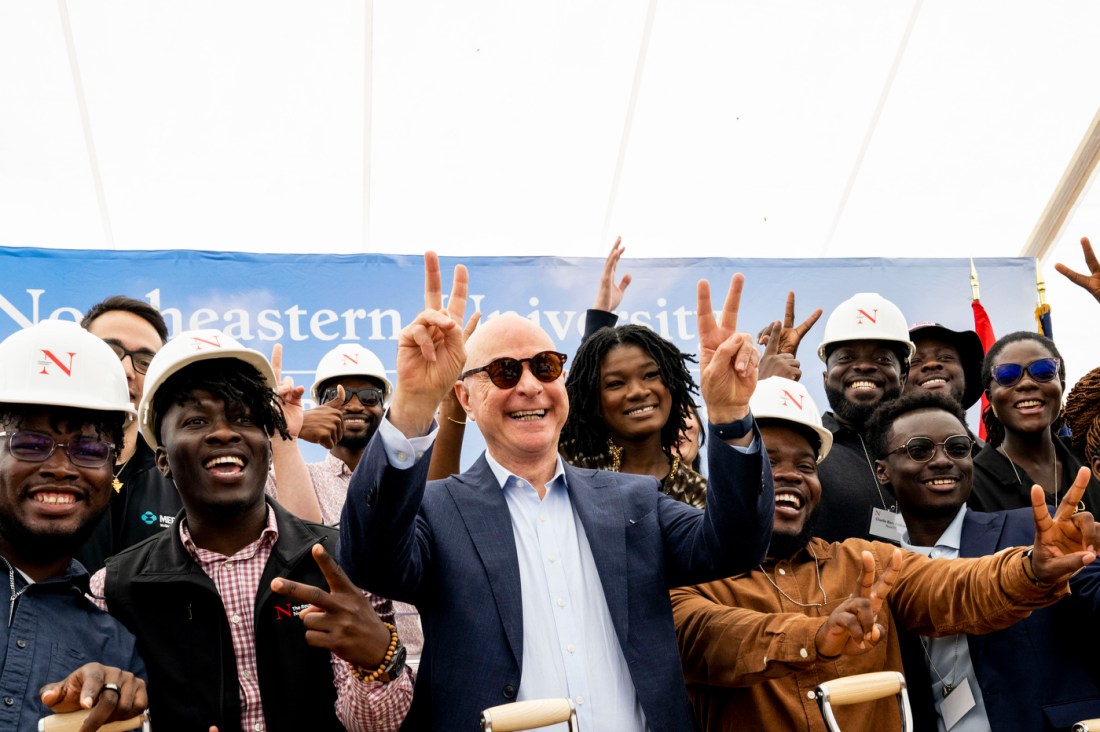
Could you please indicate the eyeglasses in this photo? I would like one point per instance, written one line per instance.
(368, 395)
(35, 447)
(140, 359)
(923, 449)
(506, 372)
(1042, 370)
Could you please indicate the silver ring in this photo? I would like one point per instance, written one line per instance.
(111, 687)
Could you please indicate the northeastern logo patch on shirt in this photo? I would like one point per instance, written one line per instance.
(289, 610)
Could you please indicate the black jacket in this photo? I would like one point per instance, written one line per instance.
(146, 505)
(162, 595)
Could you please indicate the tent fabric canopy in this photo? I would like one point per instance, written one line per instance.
(696, 128)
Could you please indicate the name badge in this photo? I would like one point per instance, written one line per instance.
(886, 525)
(956, 704)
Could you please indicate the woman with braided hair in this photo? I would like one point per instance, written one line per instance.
(630, 395)
(1083, 419)
(1024, 377)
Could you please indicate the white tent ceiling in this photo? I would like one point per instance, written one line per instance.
(694, 128)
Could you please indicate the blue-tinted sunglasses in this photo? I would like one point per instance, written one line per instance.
(1042, 370)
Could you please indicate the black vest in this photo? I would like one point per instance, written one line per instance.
(161, 594)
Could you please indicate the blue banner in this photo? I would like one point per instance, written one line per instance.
(312, 302)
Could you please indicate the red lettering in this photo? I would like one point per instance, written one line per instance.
(67, 369)
(348, 358)
(281, 612)
(789, 397)
(861, 314)
(216, 343)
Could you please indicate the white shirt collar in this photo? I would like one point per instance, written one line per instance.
(502, 473)
(950, 539)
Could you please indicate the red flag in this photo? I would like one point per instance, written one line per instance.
(984, 329)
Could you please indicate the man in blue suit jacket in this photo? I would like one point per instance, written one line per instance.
(1034, 675)
(533, 578)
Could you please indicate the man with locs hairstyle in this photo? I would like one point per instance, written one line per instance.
(594, 552)
(246, 620)
(63, 408)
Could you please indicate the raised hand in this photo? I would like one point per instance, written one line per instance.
(774, 363)
(727, 359)
(851, 628)
(790, 335)
(324, 424)
(111, 693)
(1064, 542)
(430, 352)
(341, 620)
(1091, 281)
(609, 295)
(290, 396)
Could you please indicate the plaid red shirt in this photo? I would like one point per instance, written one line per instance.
(362, 707)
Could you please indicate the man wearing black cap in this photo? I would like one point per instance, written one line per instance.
(946, 361)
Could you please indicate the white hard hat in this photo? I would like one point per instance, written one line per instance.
(59, 364)
(185, 349)
(866, 316)
(350, 359)
(779, 398)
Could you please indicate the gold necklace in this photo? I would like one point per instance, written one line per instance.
(617, 459)
(115, 482)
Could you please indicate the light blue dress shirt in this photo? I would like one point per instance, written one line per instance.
(950, 655)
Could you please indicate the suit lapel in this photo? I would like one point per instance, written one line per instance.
(603, 520)
(484, 512)
(979, 533)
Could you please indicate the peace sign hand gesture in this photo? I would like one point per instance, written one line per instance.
(727, 359)
(430, 352)
(1063, 543)
(852, 628)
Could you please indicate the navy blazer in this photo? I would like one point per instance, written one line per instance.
(448, 548)
(1037, 674)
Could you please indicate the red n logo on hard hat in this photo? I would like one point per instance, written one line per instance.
(349, 358)
(216, 343)
(61, 365)
(788, 399)
(861, 314)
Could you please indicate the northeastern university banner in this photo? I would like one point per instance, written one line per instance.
(312, 302)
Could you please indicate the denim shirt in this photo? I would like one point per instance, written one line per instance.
(55, 630)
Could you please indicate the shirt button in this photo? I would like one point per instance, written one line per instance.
(259, 727)
(580, 700)
(553, 557)
(802, 652)
(229, 564)
(571, 648)
(247, 676)
(236, 619)
(419, 454)
(561, 602)
(782, 571)
(402, 456)
(811, 695)
(8, 701)
(542, 517)
(21, 643)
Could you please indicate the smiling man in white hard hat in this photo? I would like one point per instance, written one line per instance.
(350, 390)
(753, 647)
(866, 350)
(245, 619)
(63, 408)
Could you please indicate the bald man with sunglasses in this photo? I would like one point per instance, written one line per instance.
(535, 579)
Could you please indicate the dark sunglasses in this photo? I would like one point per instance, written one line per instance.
(35, 447)
(1042, 370)
(506, 372)
(923, 449)
(140, 359)
(368, 395)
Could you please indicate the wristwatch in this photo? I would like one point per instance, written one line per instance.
(734, 430)
(396, 666)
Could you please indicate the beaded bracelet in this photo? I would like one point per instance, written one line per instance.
(361, 673)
